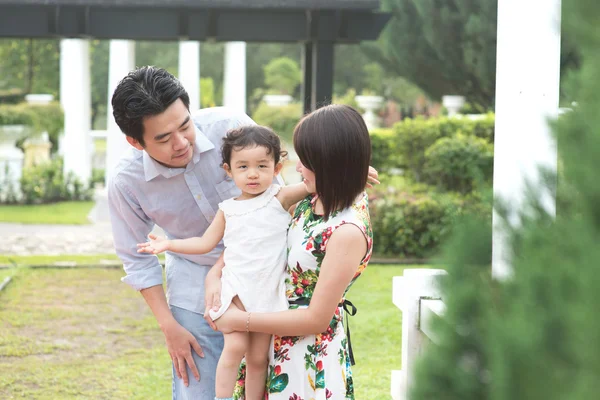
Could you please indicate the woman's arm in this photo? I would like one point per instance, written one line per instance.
(194, 245)
(345, 250)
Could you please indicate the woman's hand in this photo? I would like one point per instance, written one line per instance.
(212, 294)
(232, 320)
(372, 178)
(154, 246)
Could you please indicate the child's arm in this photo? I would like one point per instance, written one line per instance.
(290, 195)
(194, 245)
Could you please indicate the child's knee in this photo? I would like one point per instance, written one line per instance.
(257, 360)
(236, 347)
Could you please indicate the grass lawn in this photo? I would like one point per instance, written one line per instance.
(80, 333)
(68, 212)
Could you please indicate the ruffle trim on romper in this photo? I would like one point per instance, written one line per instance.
(240, 207)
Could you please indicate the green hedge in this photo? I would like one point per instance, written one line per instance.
(384, 156)
(414, 136)
(282, 119)
(46, 183)
(413, 223)
(40, 118)
(458, 163)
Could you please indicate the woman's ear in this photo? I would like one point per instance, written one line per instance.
(227, 169)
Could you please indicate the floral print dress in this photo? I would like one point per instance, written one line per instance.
(315, 366)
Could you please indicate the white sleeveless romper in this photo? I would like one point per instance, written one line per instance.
(255, 253)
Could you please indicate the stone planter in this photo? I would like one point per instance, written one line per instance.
(370, 104)
(11, 158)
(277, 100)
(453, 104)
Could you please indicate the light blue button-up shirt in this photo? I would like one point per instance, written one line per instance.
(182, 201)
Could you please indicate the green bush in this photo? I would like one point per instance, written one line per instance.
(407, 226)
(415, 136)
(40, 118)
(207, 92)
(414, 221)
(282, 119)
(458, 163)
(282, 75)
(46, 183)
(383, 150)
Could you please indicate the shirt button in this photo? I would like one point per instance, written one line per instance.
(199, 196)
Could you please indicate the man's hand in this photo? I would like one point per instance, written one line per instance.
(212, 294)
(154, 246)
(180, 343)
(372, 178)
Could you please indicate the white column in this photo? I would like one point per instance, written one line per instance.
(408, 291)
(234, 85)
(189, 71)
(75, 98)
(121, 62)
(527, 91)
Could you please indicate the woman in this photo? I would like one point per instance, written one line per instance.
(329, 245)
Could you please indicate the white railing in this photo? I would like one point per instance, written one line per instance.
(417, 293)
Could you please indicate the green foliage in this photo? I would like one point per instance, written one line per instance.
(207, 92)
(48, 118)
(98, 177)
(531, 337)
(458, 163)
(447, 47)
(282, 75)
(414, 222)
(281, 119)
(46, 183)
(415, 136)
(384, 156)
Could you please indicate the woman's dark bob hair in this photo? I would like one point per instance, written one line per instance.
(334, 143)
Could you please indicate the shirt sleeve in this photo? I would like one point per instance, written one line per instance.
(130, 226)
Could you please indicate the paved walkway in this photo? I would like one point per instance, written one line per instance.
(22, 239)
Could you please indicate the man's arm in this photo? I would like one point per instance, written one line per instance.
(130, 226)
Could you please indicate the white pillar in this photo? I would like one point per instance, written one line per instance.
(189, 71)
(527, 91)
(234, 85)
(75, 98)
(121, 62)
(408, 291)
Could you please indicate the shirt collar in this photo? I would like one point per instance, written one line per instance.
(153, 168)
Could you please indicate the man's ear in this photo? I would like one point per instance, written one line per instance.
(134, 143)
(278, 168)
(227, 169)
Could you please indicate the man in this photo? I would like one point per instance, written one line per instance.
(171, 177)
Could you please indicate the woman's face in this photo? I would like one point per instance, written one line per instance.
(308, 177)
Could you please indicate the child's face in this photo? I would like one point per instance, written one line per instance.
(252, 169)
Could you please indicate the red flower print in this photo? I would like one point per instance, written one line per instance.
(309, 246)
(319, 365)
(328, 394)
(305, 282)
(299, 291)
(295, 280)
(277, 370)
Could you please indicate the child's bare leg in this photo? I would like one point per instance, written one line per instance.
(235, 346)
(257, 362)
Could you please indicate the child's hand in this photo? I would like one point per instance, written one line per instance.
(154, 246)
(372, 178)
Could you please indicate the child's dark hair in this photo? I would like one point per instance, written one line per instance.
(251, 136)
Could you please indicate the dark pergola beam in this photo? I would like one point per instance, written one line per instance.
(251, 25)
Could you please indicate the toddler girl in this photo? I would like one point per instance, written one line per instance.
(254, 229)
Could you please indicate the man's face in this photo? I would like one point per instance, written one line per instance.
(169, 137)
